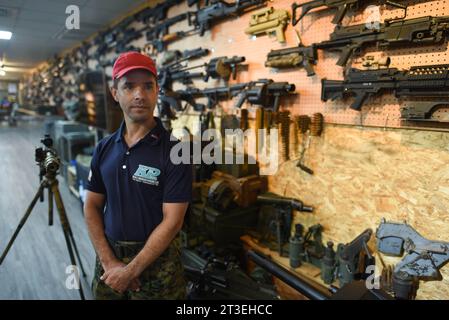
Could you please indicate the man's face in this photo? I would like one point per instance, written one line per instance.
(137, 93)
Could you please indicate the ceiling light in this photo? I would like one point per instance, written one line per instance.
(5, 35)
(2, 73)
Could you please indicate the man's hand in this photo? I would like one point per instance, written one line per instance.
(118, 277)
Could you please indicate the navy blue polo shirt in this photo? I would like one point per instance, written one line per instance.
(136, 181)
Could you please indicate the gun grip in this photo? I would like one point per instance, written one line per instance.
(242, 99)
(345, 54)
(309, 68)
(360, 98)
(341, 12)
(276, 103)
(280, 34)
(234, 71)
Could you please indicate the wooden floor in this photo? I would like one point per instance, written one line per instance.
(35, 267)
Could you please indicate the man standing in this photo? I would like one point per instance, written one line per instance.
(137, 198)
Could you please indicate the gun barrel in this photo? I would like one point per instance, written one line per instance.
(198, 52)
(283, 201)
(186, 75)
(234, 60)
(281, 86)
(286, 276)
(301, 207)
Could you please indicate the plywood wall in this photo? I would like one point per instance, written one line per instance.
(365, 174)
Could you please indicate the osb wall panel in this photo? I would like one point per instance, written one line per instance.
(365, 174)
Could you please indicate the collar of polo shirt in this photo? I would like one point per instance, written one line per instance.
(151, 137)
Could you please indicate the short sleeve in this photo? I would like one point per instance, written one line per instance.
(178, 183)
(95, 181)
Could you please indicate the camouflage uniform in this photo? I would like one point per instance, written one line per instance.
(163, 279)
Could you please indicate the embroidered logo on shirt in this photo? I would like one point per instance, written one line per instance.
(147, 175)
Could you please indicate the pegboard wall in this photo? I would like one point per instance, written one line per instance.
(227, 38)
(383, 110)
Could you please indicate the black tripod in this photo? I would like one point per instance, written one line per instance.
(49, 165)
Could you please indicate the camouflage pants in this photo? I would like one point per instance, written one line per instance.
(163, 279)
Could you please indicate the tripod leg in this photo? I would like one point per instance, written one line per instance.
(68, 235)
(72, 260)
(39, 193)
(50, 207)
(65, 221)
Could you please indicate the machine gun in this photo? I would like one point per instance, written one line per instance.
(265, 92)
(422, 261)
(213, 95)
(417, 32)
(128, 36)
(269, 20)
(161, 29)
(294, 57)
(342, 7)
(350, 258)
(223, 67)
(173, 100)
(419, 81)
(282, 222)
(157, 13)
(176, 71)
(160, 44)
(219, 10)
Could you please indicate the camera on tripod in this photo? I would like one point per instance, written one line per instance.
(48, 161)
(47, 157)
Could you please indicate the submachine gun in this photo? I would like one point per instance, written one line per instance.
(281, 224)
(422, 260)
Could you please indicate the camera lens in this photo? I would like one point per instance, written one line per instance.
(51, 163)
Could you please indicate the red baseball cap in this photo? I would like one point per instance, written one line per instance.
(130, 61)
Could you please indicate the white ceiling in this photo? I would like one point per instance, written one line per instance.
(39, 32)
